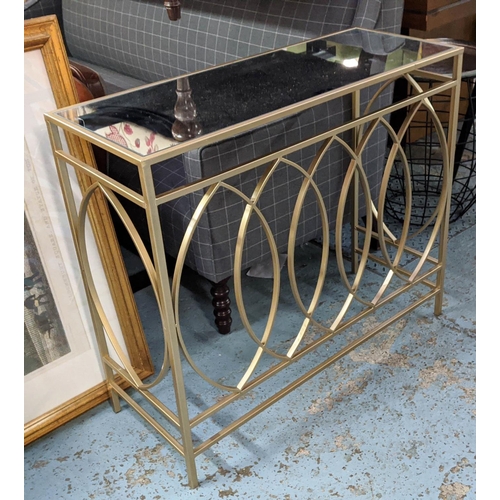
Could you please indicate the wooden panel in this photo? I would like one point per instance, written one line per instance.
(462, 29)
(433, 14)
(427, 5)
(442, 107)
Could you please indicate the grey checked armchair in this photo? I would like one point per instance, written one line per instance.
(132, 42)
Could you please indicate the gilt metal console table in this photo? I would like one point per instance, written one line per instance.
(390, 57)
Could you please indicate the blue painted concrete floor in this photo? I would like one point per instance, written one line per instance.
(394, 419)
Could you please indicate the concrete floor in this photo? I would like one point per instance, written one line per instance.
(395, 419)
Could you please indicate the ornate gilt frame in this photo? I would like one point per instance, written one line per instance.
(44, 34)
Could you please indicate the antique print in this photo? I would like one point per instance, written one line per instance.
(44, 337)
(63, 373)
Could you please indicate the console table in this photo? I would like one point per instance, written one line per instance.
(171, 411)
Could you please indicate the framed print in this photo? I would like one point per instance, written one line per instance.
(63, 376)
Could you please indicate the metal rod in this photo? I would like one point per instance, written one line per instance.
(146, 416)
(304, 378)
(448, 176)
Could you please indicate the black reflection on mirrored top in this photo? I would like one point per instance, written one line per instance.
(227, 95)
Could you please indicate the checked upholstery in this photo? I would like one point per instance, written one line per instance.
(130, 42)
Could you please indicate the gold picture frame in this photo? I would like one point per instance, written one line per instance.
(42, 35)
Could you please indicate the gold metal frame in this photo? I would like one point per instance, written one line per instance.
(428, 272)
(44, 34)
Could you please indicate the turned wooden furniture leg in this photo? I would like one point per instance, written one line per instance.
(221, 303)
(374, 243)
(173, 9)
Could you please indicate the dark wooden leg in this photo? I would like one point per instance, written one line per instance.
(221, 303)
(400, 92)
(374, 244)
(398, 117)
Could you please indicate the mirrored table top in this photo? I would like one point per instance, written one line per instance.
(257, 89)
